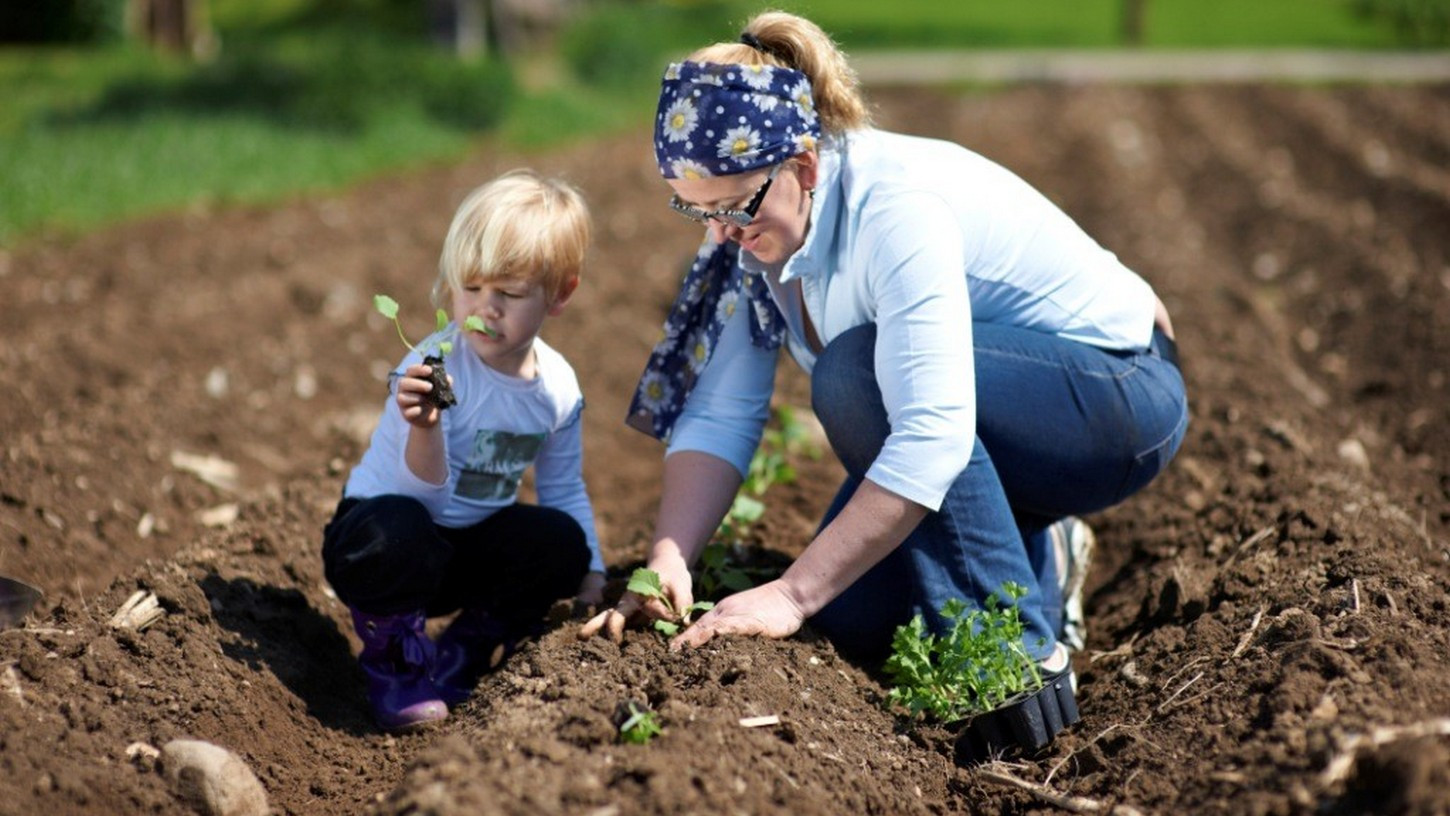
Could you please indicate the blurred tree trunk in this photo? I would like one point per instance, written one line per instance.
(178, 26)
(463, 26)
(506, 28)
(1134, 12)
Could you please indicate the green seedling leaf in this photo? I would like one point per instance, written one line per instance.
(640, 727)
(386, 306)
(445, 348)
(736, 580)
(646, 582)
(746, 509)
(697, 606)
(668, 628)
(473, 323)
(723, 568)
(441, 318)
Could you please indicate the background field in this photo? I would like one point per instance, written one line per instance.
(309, 95)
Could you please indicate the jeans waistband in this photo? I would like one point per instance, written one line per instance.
(1164, 347)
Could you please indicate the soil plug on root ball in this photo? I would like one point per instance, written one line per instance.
(212, 780)
(441, 396)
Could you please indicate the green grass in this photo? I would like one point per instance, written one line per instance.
(92, 136)
(77, 178)
(311, 95)
(862, 24)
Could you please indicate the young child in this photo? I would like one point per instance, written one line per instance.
(430, 520)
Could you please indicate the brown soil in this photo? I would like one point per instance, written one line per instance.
(1279, 592)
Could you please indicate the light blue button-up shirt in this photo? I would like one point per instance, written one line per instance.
(921, 237)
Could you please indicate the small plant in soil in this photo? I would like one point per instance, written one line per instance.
(721, 570)
(975, 667)
(637, 724)
(442, 394)
(646, 582)
(770, 465)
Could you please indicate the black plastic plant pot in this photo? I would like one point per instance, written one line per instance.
(442, 393)
(1022, 726)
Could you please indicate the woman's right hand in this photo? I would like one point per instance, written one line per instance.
(677, 585)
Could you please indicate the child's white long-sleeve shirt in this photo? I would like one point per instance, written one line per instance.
(921, 237)
(500, 427)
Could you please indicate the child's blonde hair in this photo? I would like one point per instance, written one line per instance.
(795, 42)
(519, 226)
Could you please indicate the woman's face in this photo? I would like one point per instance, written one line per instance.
(779, 226)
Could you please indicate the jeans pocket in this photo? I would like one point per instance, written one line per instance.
(1150, 463)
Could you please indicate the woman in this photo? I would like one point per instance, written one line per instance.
(983, 369)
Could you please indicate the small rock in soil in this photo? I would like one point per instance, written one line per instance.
(213, 780)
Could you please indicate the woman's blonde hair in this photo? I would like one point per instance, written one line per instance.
(795, 42)
(519, 226)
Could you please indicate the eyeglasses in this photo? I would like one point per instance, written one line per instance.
(737, 218)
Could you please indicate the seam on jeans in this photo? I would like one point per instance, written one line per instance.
(1182, 417)
(1132, 362)
(1132, 472)
(1178, 428)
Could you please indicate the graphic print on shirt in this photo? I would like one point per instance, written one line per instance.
(497, 463)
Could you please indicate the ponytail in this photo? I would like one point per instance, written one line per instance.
(795, 42)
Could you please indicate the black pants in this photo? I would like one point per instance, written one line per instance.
(385, 556)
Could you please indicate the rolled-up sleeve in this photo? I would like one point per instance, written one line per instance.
(912, 250)
(730, 402)
(384, 469)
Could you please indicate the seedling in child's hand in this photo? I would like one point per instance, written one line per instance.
(442, 394)
(639, 725)
(646, 582)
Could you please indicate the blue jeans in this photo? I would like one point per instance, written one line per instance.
(1063, 429)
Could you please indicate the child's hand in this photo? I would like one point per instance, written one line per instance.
(413, 388)
(590, 596)
(591, 590)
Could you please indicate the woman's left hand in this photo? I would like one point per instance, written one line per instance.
(765, 610)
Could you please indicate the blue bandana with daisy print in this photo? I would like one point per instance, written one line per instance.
(718, 120)
(721, 119)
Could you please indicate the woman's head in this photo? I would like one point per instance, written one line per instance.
(735, 115)
(519, 226)
(734, 107)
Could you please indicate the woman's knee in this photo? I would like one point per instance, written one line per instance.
(847, 399)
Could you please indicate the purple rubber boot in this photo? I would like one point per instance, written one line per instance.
(395, 657)
(472, 645)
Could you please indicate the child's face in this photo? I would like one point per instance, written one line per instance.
(515, 310)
